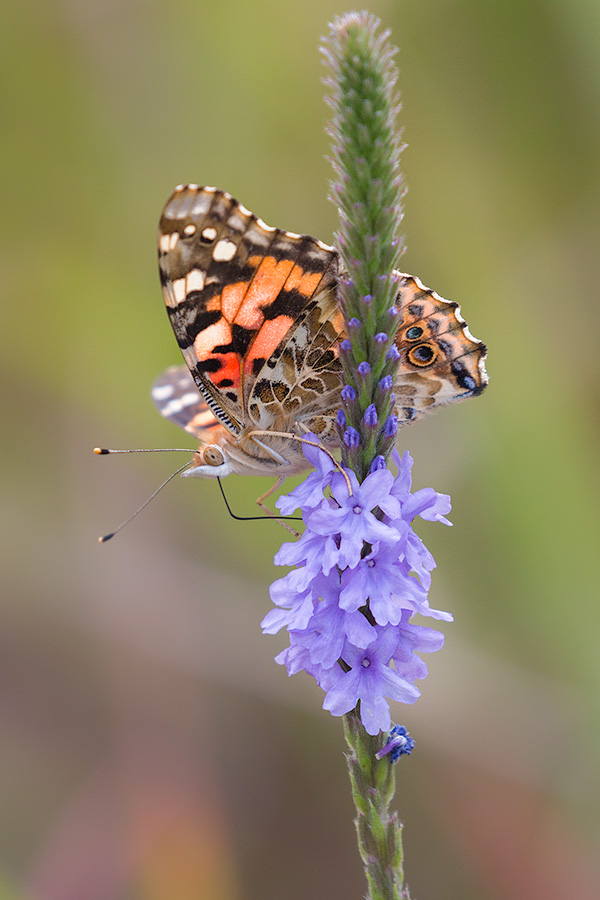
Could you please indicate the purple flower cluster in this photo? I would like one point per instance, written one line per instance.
(361, 575)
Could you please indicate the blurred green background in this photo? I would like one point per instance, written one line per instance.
(150, 748)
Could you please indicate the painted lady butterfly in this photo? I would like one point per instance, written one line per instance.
(255, 313)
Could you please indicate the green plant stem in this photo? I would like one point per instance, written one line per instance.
(368, 193)
(378, 830)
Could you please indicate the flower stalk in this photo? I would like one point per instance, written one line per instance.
(378, 830)
(368, 193)
(361, 572)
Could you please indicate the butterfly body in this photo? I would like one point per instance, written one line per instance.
(255, 313)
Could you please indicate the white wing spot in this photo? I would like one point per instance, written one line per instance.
(173, 238)
(179, 403)
(324, 246)
(189, 229)
(179, 290)
(209, 233)
(164, 242)
(419, 283)
(162, 391)
(292, 234)
(224, 251)
(265, 226)
(468, 334)
(195, 280)
(200, 204)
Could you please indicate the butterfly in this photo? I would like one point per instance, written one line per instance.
(255, 312)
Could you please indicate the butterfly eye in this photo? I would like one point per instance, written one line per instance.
(414, 333)
(212, 456)
(421, 356)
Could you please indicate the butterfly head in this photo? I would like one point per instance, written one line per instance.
(210, 461)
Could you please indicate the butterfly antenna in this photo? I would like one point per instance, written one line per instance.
(103, 451)
(253, 518)
(107, 537)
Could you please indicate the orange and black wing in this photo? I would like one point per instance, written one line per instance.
(235, 289)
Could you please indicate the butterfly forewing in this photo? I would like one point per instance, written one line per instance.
(235, 288)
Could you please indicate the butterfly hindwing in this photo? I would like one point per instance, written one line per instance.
(176, 397)
(440, 360)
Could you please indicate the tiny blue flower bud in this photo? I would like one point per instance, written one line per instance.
(367, 298)
(351, 438)
(354, 322)
(393, 353)
(378, 463)
(364, 368)
(400, 743)
(391, 426)
(346, 346)
(393, 311)
(341, 418)
(386, 383)
(370, 416)
(349, 394)
(381, 337)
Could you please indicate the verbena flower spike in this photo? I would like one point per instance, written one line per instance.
(361, 572)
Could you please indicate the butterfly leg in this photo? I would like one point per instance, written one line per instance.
(260, 501)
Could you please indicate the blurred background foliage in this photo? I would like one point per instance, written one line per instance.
(150, 747)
